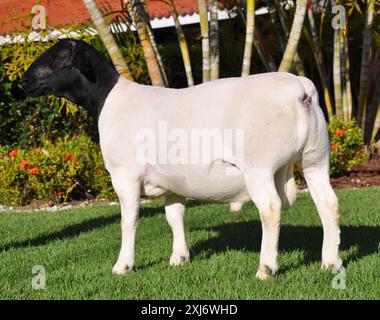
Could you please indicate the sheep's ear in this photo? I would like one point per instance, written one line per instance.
(63, 57)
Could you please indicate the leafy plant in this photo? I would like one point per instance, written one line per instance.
(346, 144)
(70, 168)
(346, 148)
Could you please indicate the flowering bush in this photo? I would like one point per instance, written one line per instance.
(346, 147)
(69, 168)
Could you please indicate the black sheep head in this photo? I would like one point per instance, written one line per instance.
(64, 70)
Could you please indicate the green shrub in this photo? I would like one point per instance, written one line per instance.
(25, 122)
(346, 148)
(70, 168)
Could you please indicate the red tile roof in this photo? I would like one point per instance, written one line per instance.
(14, 14)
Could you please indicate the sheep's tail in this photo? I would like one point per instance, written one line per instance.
(317, 145)
(314, 140)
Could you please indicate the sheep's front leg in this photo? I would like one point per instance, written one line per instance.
(175, 212)
(128, 192)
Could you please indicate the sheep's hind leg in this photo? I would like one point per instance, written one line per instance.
(128, 191)
(175, 212)
(263, 193)
(317, 178)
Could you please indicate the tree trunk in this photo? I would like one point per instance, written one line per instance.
(366, 58)
(249, 37)
(316, 46)
(264, 54)
(348, 76)
(154, 45)
(202, 8)
(337, 74)
(182, 45)
(107, 38)
(294, 36)
(149, 54)
(345, 75)
(373, 118)
(214, 40)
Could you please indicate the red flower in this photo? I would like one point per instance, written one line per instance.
(69, 156)
(340, 132)
(13, 153)
(334, 147)
(99, 171)
(58, 194)
(33, 171)
(23, 164)
(74, 138)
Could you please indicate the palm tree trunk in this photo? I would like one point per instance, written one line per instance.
(149, 54)
(348, 77)
(264, 54)
(294, 36)
(107, 38)
(374, 122)
(316, 46)
(202, 8)
(154, 45)
(214, 40)
(337, 74)
(182, 45)
(275, 23)
(373, 119)
(364, 70)
(249, 37)
(344, 76)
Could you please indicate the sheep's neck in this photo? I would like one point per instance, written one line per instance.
(95, 94)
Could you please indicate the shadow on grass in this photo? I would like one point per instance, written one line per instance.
(235, 236)
(74, 230)
(247, 236)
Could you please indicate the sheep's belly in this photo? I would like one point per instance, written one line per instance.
(216, 182)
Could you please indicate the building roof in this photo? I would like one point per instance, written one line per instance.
(15, 14)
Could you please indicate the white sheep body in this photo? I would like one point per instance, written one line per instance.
(278, 113)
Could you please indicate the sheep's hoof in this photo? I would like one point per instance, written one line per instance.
(332, 265)
(179, 259)
(265, 272)
(121, 269)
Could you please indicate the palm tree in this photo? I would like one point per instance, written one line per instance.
(107, 38)
(153, 41)
(294, 35)
(348, 80)
(346, 83)
(337, 76)
(182, 44)
(373, 119)
(366, 58)
(316, 46)
(263, 52)
(202, 8)
(214, 40)
(134, 10)
(249, 37)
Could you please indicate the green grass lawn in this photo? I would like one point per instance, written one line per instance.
(78, 248)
